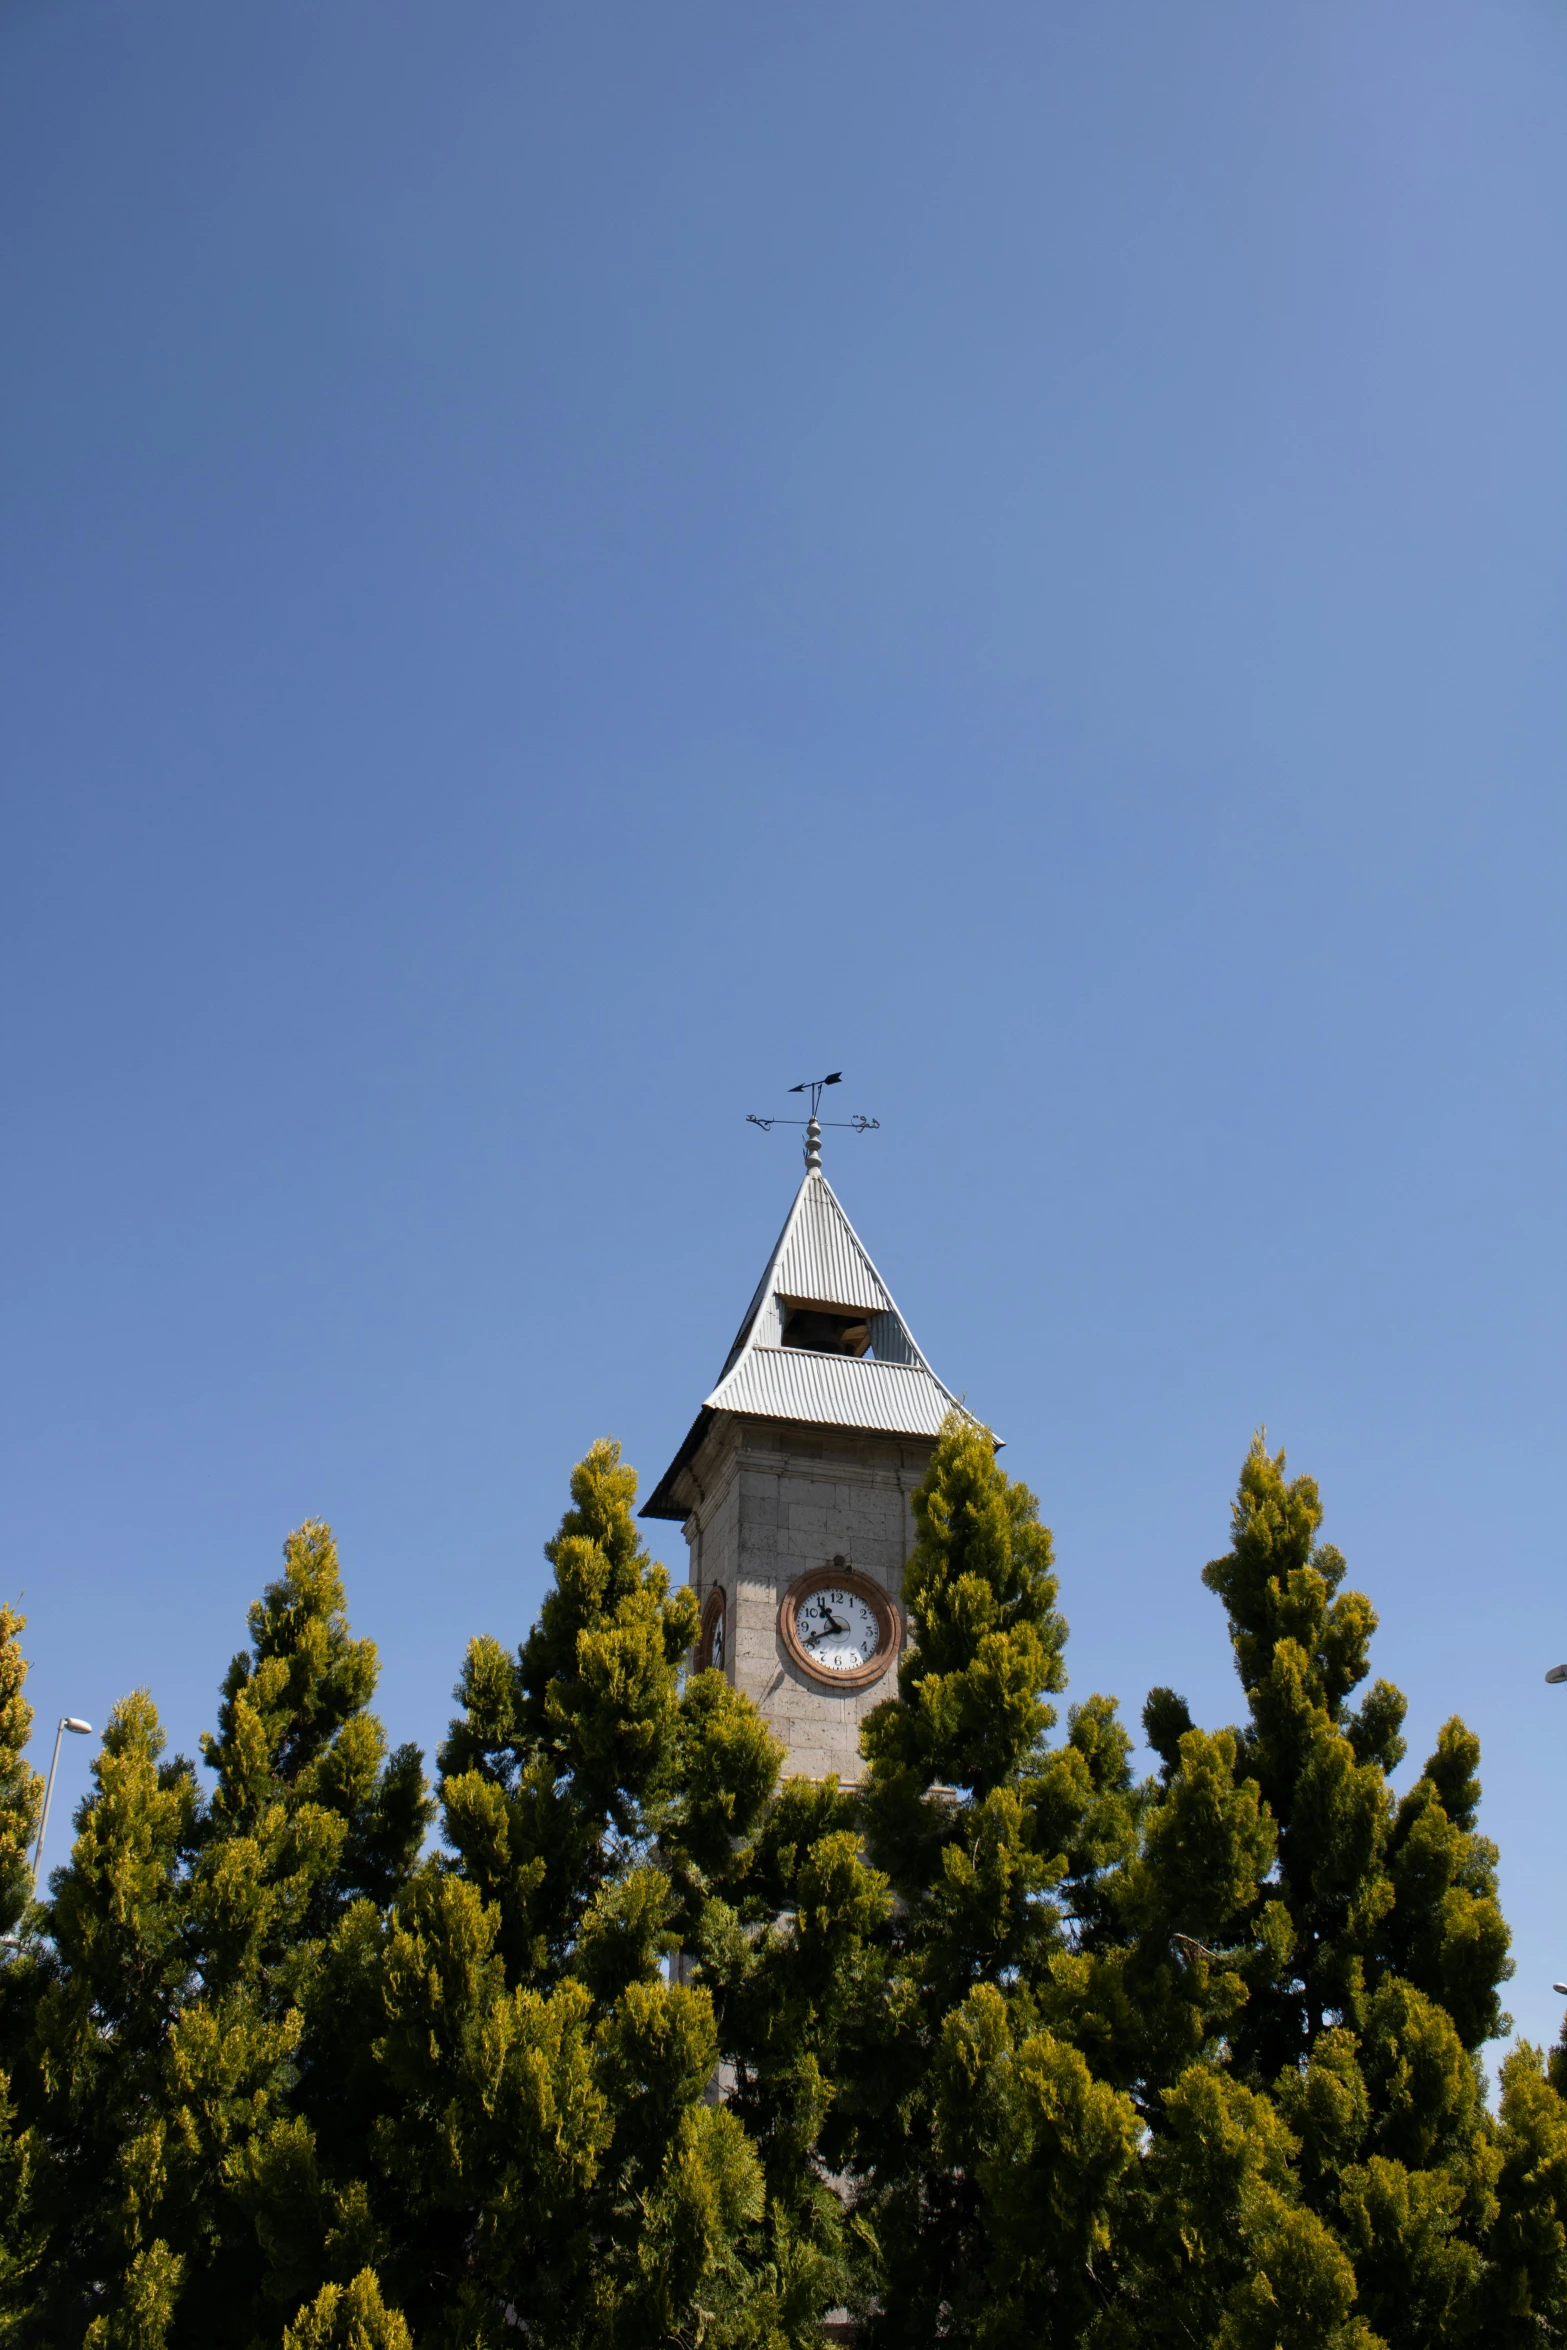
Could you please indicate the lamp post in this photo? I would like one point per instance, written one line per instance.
(83, 1730)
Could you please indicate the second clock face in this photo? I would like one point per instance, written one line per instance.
(837, 1629)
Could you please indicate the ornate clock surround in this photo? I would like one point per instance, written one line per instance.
(837, 1574)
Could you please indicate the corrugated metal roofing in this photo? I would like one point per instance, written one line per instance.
(820, 1259)
(763, 1291)
(834, 1391)
(820, 1256)
(890, 1341)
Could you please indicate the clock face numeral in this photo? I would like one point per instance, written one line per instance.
(837, 1629)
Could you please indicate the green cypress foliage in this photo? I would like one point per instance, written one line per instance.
(21, 1800)
(349, 2317)
(527, 2135)
(790, 1943)
(22, 2234)
(998, 2048)
(1199, 2061)
(1376, 1977)
(309, 1813)
(88, 2014)
(555, 1774)
(155, 2033)
(986, 2151)
(1338, 1953)
(21, 1789)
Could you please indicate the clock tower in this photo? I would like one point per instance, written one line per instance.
(793, 1486)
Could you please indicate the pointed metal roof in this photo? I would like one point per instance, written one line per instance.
(818, 1261)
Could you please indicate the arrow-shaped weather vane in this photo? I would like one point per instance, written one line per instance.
(813, 1125)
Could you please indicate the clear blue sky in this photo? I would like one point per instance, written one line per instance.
(565, 568)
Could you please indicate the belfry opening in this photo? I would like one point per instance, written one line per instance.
(823, 1330)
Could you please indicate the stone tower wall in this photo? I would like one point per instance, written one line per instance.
(778, 1500)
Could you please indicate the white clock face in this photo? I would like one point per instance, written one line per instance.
(837, 1629)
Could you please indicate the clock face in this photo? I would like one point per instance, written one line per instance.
(837, 1629)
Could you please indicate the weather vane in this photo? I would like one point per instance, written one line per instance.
(813, 1125)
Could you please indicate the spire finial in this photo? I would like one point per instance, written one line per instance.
(814, 1086)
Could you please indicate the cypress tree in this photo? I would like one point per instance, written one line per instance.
(21, 1788)
(157, 2027)
(1368, 2003)
(1197, 2061)
(90, 2004)
(998, 2048)
(310, 1812)
(790, 1940)
(525, 2132)
(1339, 1952)
(985, 2150)
(21, 1800)
(349, 2317)
(22, 2236)
(554, 1775)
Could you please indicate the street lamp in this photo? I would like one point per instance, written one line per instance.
(1557, 1673)
(83, 1730)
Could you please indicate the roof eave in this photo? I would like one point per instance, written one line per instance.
(662, 1501)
